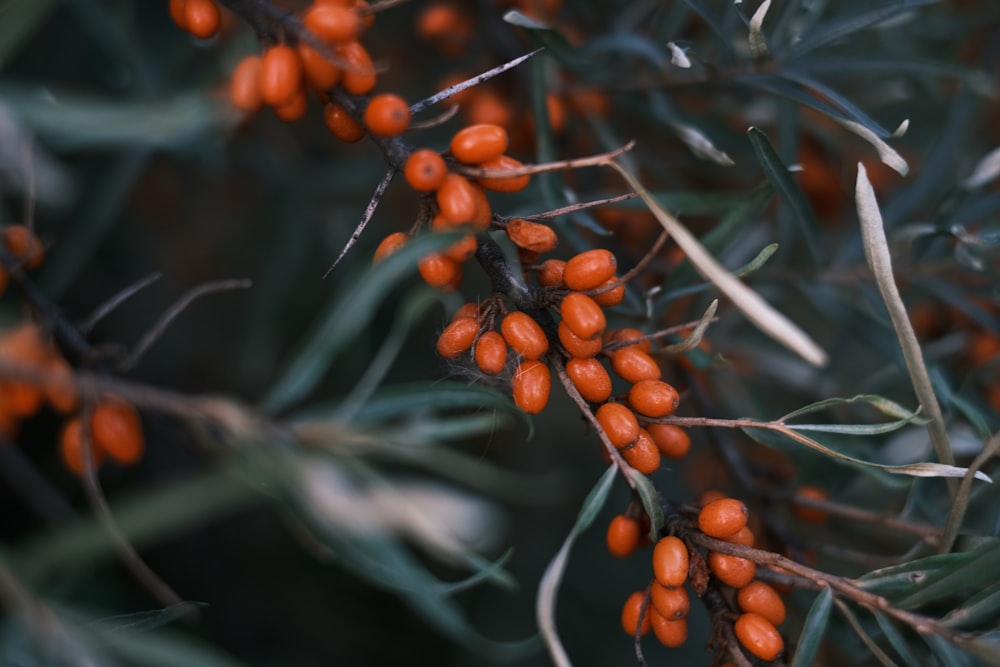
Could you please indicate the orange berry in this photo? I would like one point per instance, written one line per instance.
(280, 75)
(425, 170)
(723, 517)
(457, 337)
(71, 448)
(632, 612)
(59, 390)
(583, 317)
(491, 353)
(524, 335)
(531, 385)
(671, 602)
(387, 115)
(445, 25)
(759, 636)
(589, 269)
(4, 279)
(622, 335)
(709, 496)
(470, 309)
(643, 454)
(341, 124)
(653, 398)
(759, 598)
(672, 441)
(484, 213)
(633, 365)
(810, 514)
(358, 72)
(619, 424)
(478, 143)
(293, 109)
(670, 561)
(177, 13)
(531, 236)
(463, 249)
(589, 378)
(550, 272)
(244, 86)
(670, 633)
(389, 245)
(440, 271)
(21, 399)
(742, 536)
(457, 199)
(367, 17)
(556, 111)
(336, 24)
(504, 183)
(576, 346)
(23, 245)
(624, 533)
(612, 297)
(320, 72)
(487, 106)
(117, 430)
(202, 18)
(731, 570)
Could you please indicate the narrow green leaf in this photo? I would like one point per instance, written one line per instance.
(899, 580)
(983, 569)
(651, 502)
(778, 175)
(881, 403)
(982, 607)
(813, 629)
(545, 36)
(863, 635)
(692, 341)
(143, 621)
(857, 429)
(485, 571)
(627, 44)
(986, 647)
(897, 640)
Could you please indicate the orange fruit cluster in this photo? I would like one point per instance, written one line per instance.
(115, 432)
(668, 599)
(24, 248)
(21, 399)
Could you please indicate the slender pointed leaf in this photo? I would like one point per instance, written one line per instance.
(813, 629)
(897, 640)
(980, 608)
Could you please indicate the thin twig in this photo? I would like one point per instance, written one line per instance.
(469, 83)
(373, 203)
(961, 502)
(929, 533)
(571, 208)
(440, 119)
(87, 325)
(599, 160)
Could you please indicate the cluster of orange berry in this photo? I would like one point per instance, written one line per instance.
(664, 606)
(24, 248)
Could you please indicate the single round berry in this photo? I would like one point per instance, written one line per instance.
(244, 86)
(634, 621)
(582, 315)
(531, 385)
(759, 636)
(117, 430)
(633, 365)
(723, 517)
(457, 199)
(439, 271)
(670, 561)
(280, 75)
(358, 71)
(478, 143)
(624, 335)
(731, 570)
(672, 441)
(491, 353)
(59, 390)
(643, 454)
(589, 269)
(387, 115)
(425, 170)
(653, 398)
(619, 424)
(532, 236)
(341, 124)
(463, 249)
(23, 246)
(611, 297)
(202, 18)
(457, 337)
(177, 13)
(590, 378)
(504, 183)
(760, 598)
(671, 602)
(335, 24)
(71, 448)
(742, 536)
(810, 514)
(624, 533)
(389, 245)
(321, 72)
(550, 272)
(524, 335)
(293, 109)
(576, 346)
(670, 633)
(470, 309)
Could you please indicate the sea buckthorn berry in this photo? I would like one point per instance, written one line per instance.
(387, 115)
(524, 335)
(117, 430)
(624, 533)
(672, 441)
(341, 124)
(671, 602)
(244, 86)
(280, 75)
(294, 108)
(633, 365)
(177, 13)
(24, 246)
(487, 106)
(723, 517)
(440, 271)
(457, 337)
(491, 353)
(478, 143)
(336, 24)
(583, 317)
(670, 561)
(59, 390)
(810, 514)
(71, 448)
(22, 399)
(504, 183)
(202, 18)
(446, 26)
(550, 272)
(632, 612)
(619, 424)
(358, 72)
(623, 335)
(759, 636)
(320, 72)
(389, 245)
(4, 279)
(576, 346)
(670, 633)
(457, 199)
(484, 213)
(425, 170)
(653, 398)
(742, 536)
(711, 495)
(613, 296)
(731, 570)
(589, 269)
(470, 309)
(531, 236)
(589, 378)
(643, 455)
(367, 17)
(760, 598)
(531, 385)
(463, 249)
